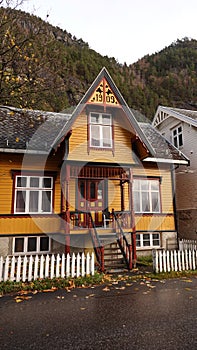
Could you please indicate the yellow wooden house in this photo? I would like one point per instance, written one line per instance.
(94, 179)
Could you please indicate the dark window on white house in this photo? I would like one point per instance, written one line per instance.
(177, 136)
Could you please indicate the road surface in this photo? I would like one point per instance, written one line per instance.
(136, 315)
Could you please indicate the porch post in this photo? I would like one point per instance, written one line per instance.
(133, 234)
(122, 195)
(67, 213)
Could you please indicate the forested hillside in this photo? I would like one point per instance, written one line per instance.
(44, 67)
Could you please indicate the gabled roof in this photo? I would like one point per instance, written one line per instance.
(29, 131)
(164, 150)
(185, 115)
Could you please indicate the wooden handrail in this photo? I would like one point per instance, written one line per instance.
(98, 247)
(125, 246)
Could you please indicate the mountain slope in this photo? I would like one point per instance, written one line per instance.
(44, 67)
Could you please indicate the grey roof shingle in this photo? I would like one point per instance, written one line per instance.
(29, 129)
(162, 147)
(38, 131)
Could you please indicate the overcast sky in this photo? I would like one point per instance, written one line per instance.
(124, 29)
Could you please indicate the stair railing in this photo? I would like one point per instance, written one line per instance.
(98, 246)
(124, 245)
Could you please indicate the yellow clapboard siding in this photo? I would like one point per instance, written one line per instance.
(13, 161)
(166, 184)
(154, 222)
(78, 145)
(26, 225)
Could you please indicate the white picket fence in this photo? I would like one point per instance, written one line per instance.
(188, 244)
(174, 260)
(28, 268)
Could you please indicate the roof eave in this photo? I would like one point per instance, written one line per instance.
(167, 161)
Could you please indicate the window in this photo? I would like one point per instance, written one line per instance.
(147, 240)
(177, 136)
(33, 194)
(100, 130)
(146, 196)
(31, 245)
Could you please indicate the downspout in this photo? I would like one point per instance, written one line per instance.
(174, 200)
(133, 234)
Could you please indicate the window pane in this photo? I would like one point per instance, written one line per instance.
(34, 182)
(21, 181)
(156, 240)
(19, 245)
(33, 201)
(107, 136)
(32, 244)
(46, 201)
(95, 135)
(146, 240)
(20, 201)
(136, 185)
(94, 118)
(82, 189)
(138, 240)
(92, 190)
(180, 140)
(154, 185)
(47, 182)
(144, 185)
(145, 202)
(155, 201)
(44, 244)
(137, 201)
(106, 119)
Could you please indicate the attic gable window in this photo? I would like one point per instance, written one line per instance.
(100, 130)
(177, 136)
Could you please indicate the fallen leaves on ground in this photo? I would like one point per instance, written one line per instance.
(53, 289)
(21, 298)
(106, 289)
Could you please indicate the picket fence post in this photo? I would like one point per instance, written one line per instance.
(28, 268)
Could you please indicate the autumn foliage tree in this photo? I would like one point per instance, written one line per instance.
(25, 76)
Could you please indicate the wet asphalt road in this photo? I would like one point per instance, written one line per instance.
(135, 315)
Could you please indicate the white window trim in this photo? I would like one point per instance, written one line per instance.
(177, 135)
(39, 189)
(150, 192)
(25, 251)
(151, 246)
(101, 125)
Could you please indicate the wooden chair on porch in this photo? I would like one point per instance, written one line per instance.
(107, 218)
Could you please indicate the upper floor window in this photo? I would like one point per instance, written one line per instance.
(146, 196)
(100, 130)
(33, 194)
(177, 136)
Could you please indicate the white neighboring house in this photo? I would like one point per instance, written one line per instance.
(179, 126)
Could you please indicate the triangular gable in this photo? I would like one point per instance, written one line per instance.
(163, 113)
(104, 86)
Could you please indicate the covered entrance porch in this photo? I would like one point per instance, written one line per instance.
(98, 202)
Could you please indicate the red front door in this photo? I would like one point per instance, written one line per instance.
(91, 199)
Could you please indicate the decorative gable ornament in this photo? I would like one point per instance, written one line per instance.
(103, 94)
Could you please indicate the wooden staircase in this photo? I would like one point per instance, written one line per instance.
(113, 257)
